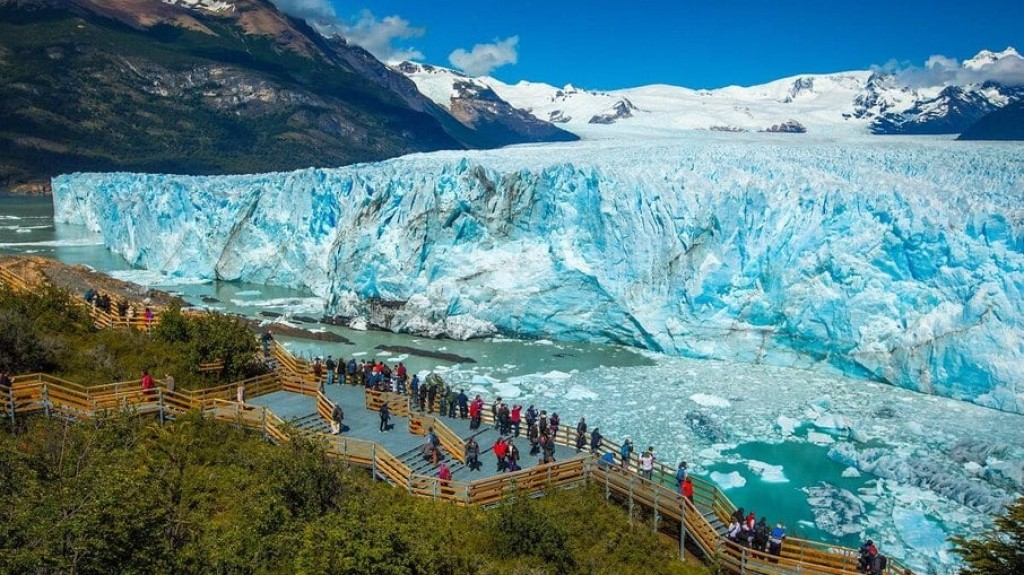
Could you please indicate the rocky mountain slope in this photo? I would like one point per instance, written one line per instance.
(1006, 123)
(198, 87)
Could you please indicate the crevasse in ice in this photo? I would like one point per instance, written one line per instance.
(899, 260)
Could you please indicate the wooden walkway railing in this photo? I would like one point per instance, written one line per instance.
(668, 510)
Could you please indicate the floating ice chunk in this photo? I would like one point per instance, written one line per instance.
(851, 472)
(555, 374)
(787, 425)
(708, 400)
(358, 324)
(507, 390)
(972, 467)
(819, 438)
(578, 392)
(769, 473)
(728, 480)
(920, 532)
(833, 421)
(544, 342)
(152, 278)
(248, 293)
(484, 380)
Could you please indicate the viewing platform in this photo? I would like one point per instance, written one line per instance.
(288, 403)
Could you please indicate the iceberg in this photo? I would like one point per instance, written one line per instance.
(899, 261)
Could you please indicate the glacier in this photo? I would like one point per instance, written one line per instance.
(896, 260)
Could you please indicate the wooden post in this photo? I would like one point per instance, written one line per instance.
(45, 397)
(682, 531)
(373, 462)
(743, 561)
(656, 515)
(160, 404)
(263, 424)
(631, 498)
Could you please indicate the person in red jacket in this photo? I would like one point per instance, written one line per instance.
(444, 474)
(500, 449)
(687, 489)
(474, 412)
(147, 382)
(516, 417)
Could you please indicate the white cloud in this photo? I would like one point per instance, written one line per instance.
(1006, 68)
(378, 36)
(316, 12)
(484, 58)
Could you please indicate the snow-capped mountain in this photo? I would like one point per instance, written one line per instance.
(474, 103)
(854, 102)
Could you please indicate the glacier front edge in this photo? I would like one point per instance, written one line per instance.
(897, 260)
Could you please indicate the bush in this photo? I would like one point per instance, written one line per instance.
(999, 551)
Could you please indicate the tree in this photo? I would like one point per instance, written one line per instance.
(998, 551)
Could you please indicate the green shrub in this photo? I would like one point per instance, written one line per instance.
(998, 551)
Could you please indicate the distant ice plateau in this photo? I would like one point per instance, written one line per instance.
(898, 260)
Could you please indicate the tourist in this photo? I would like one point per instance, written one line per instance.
(367, 374)
(168, 382)
(131, 317)
(318, 372)
(240, 393)
(431, 394)
(595, 440)
(473, 454)
(733, 531)
(351, 371)
(385, 417)
(625, 451)
(146, 383)
(422, 400)
(775, 539)
(5, 380)
(444, 474)
(148, 315)
(474, 412)
(687, 489)
(495, 407)
(747, 529)
(681, 473)
(607, 460)
(647, 464)
(401, 372)
(553, 424)
(435, 445)
(581, 434)
(865, 555)
(542, 423)
(265, 339)
(504, 420)
(452, 400)
(500, 448)
(330, 366)
(516, 417)
(337, 415)
(761, 534)
(547, 448)
(533, 436)
(511, 456)
(463, 401)
(414, 390)
(531, 416)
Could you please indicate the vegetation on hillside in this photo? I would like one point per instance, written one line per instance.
(83, 92)
(47, 331)
(127, 495)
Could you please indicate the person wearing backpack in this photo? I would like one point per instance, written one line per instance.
(878, 563)
(681, 474)
(330, 366)
(761, 533)
(625, 451)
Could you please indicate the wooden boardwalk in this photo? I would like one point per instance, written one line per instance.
(288, 403)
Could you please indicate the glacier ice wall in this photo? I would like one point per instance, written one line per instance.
(898, 260)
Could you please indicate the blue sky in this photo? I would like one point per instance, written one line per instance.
(605, 45)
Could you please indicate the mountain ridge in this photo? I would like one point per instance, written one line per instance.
(203, 87)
